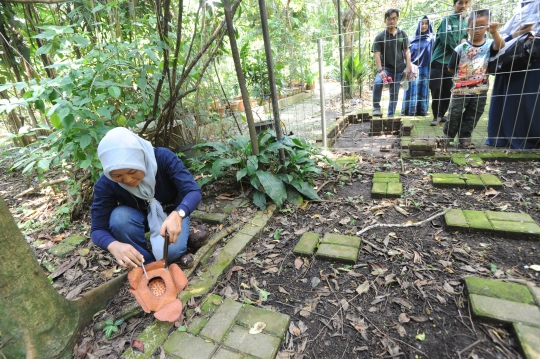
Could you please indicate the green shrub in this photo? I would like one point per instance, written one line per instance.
(289, 181)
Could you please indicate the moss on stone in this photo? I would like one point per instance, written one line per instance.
(497, 289)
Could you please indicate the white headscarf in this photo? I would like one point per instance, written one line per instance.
(122, 149)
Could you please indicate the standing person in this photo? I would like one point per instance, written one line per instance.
(514, 113)
(416, 98)
(142, 189)
(470, 59)
(451, 31)
(392, 57)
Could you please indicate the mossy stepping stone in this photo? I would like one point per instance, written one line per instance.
(339, 247)
(386, 185)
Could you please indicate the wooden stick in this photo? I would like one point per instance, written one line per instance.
(40, 186)
(403, 225)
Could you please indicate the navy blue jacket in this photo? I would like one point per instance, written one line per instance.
(175, 189)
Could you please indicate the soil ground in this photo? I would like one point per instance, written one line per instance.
(403, 298)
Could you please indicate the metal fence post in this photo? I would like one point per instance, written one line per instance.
(321, 90)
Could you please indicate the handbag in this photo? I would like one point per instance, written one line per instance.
(516, 55)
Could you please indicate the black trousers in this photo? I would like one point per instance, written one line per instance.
(440, 84)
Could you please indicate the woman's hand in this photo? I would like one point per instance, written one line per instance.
(522, 30)
(125, 254)
(173, 226)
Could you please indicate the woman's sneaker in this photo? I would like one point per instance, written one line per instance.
(436, 121)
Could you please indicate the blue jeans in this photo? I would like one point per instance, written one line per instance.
(394, 91)
(128, 225)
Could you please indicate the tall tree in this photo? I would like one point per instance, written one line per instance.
(35, 321)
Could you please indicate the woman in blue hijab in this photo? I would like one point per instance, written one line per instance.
(416, 98)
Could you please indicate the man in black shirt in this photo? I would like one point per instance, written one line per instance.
(393, 60)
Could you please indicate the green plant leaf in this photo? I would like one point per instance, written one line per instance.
(252, 164)
(114, 91)
(121, 120)
(119, 321)
(44, 49)
(55, 121)
(273, 186)
(241, 174)
(259, 199)
(305, 188)
(85, 141)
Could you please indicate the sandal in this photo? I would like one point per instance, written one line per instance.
(186, 260)
(467, 145)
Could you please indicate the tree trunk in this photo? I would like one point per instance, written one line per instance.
(240, 76)
(35, 321)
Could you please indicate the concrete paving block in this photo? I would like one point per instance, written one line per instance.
(75, 240)
(516, 229)
(447, 180)
(478, 220)
(222, 320)
(61, 250)
(504, 310)
(386, 175)
(529, 338)
(385, 179)
(338, 253)
(211, 218)
(210, 304)
(223, 353)
(491, 181)
(258, 345)
(473, 181)
(379, 190)
(229, 207)
(152, 337)
(276, 323)
(456, 220)
(307, 243)
(509, 216)
(341, 240)
(497, 289)
(182, 345)
(535, 291)
(394, 190)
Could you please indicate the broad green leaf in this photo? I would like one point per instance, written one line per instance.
(86, 163)
(104, 112)
(252, 164)
(294, 197)
(40, 105)
(119, 321)
(44, 49)
(81, 41)
(259, 199)
(114, 91)
(305, 188)
(55, 121)
(218, 165)
(241, 174)
(121, 120)
(421, 336)
(44, 163)
(85, 141)
(273, 186)
(68, 121)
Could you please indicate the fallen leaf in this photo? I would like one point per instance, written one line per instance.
(232, 270)
(401, 210)
(363, 288)
(282, 290)
(107, 273)
(64, 267)
(419, 319)
(257, 328)
(84, 252)
(315, 281)
(298, 262)
(373, 309)
(535, 267)
(137, 345)
(58, 238)
(448, 288)
(273, 269)
(225, 196)
(421, 336)
(345, 220)
(401, 331)
(403, 318)
(402, 302)
(491, 192)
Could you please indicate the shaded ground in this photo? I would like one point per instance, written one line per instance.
(409, 280)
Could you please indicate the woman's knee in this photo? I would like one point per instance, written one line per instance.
(126, 219)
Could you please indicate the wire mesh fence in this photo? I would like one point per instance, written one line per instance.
(472, 108)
